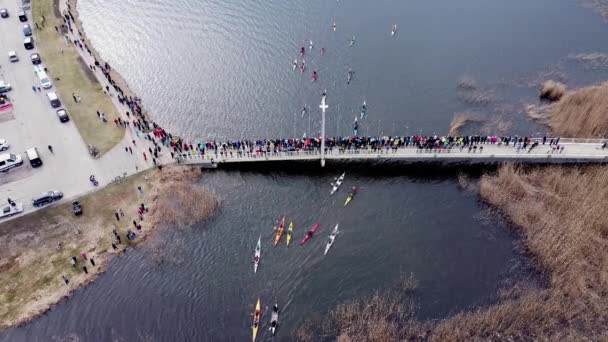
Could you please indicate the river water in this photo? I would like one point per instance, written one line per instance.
(222, 69)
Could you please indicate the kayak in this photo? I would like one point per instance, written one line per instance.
(257, 255)
(256, 319)
(350, 196)
(274, 319)
(310, 233)
(332, 237)
(289, 231)
(337, 184)
(280, 230)
(363, 110)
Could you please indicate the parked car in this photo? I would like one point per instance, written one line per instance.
(46, 198)
(4, 87)
(27, 30)
(35, 58)
(76, 208)
(33, 156)
(9, 210)
(22, 17)
(9, 161)
(4, 145)
(3, 13)
(53, 99)
(62, 114)
(28, 43)
(12, 56)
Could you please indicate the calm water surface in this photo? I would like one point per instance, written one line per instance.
(203, 288)
(208, 68)
(211, 68)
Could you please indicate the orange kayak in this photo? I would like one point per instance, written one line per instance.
(280, 230)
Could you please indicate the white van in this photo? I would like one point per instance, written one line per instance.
(53, 99)
(32, 155)
(9, 161)
(45, 82)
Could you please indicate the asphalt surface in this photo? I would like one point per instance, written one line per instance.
(33, 123)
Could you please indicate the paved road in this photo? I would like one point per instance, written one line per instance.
(33, 123)
(582, 152)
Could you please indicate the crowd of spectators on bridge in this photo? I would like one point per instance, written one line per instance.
(386, 144)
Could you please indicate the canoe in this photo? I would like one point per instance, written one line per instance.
(257, 313)
(310, 233)
(289, 232)
(280, 230)
(257, 255)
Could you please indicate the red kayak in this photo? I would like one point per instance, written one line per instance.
(310, 233)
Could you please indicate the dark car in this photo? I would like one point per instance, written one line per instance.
(28, 43)
(22, 17)
(3, 13)
(76, 208)
(62, 114)
(35, 58)
(46, 198)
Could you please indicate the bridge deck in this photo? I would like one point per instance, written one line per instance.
(583, 152)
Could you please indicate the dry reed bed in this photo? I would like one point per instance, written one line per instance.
(581, 113)
(552, 90)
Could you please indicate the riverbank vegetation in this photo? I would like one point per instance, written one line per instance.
(35, 249)
(71, 75)
(552, 90)
(559, 212)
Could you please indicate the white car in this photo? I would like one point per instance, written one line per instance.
(9, 210)
(4, 145)
(12, 56)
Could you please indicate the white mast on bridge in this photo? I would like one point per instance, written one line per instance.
(323, 107)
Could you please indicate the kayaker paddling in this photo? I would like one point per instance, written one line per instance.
(274, 319)
(257, 313)
(351, 195)
(336, 186)
(332, 238)
(310, 233)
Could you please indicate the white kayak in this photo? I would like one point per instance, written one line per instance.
(257, 255)
(331, 239)
(274, 319)
(337, 184)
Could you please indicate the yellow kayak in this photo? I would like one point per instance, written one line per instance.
(350, 196)
(289, 231)
(280, 230)
(256, 319)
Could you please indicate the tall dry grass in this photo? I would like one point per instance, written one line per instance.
(552, 90)
(462, 120)
(386, 316)
(581, 113)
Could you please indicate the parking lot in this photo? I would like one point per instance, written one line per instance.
(33, 123)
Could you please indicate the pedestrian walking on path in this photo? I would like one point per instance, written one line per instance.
(50, 148)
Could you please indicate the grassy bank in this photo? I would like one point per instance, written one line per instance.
(559, 212)
(35, 249)
(64, 63)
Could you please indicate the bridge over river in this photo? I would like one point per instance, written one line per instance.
(463, 149)
(568, 150)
